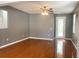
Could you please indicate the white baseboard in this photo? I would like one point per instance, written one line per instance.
(40, 38)
(13, 43)
(64, 38)
(9, 44)
(30, 38)
(74, 44)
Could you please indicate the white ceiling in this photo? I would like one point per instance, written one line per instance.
(33, 7)
(3, 3)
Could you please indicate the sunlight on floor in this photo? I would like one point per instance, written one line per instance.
(60, 48)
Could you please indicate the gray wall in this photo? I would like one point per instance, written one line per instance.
(42, 26)
(69, 24)
(18, 23)
(22, 25)
(76, 34)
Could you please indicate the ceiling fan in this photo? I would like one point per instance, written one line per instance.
(46, 10)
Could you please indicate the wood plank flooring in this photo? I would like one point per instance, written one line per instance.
(35, 48)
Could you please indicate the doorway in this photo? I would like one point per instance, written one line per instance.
(60, 27)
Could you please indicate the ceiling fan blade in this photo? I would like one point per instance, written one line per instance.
(50, 10)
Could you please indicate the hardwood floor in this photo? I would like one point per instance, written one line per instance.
(33, 48)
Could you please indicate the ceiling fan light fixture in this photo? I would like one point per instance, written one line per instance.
(46, 13)
(45, 10)
(42, 13)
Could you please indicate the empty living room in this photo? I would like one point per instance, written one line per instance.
(39, 29)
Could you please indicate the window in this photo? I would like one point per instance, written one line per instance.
(60, 27)
(3, 19)
(74, 21)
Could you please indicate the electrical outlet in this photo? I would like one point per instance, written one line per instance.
(48, 35)
(23, 35)
(7, 39)
(50, 28)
